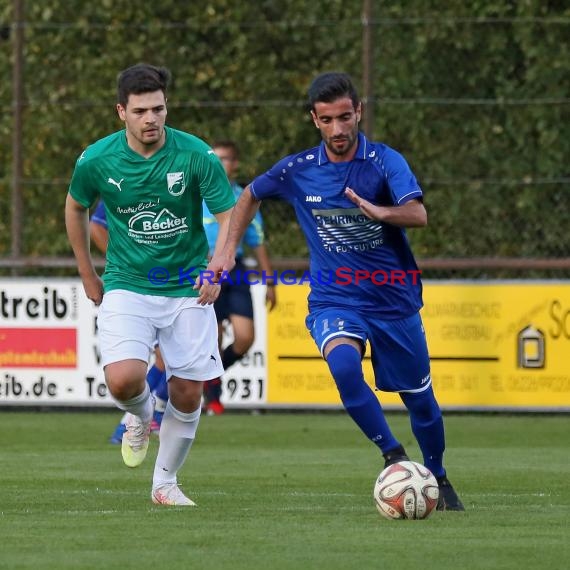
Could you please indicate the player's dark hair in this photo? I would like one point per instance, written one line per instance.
(329, 87)
(226, 143)
(141, 78)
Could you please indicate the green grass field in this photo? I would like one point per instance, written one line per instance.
(279, 491)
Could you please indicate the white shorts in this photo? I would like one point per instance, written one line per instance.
(130, 324)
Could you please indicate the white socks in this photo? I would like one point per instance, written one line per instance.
(141, 405)
(177, 433)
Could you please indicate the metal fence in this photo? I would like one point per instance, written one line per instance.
(486, 219)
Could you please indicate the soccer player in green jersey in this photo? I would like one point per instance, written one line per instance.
(152, 179)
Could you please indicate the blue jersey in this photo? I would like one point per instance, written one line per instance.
(99, 215)
(345, 245)
(253, 236)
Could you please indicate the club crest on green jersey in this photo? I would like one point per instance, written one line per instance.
(176, 183)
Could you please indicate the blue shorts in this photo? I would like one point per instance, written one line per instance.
(234, 300)
(398, 348)
(235, 297)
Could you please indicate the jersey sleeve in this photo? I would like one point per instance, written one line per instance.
(400, 178)
(274, 183)
(81, 187)
(214, 184)
(99, 216)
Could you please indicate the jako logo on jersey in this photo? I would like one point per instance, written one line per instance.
(176, 183)
(313, 198)
(114, 183)
(165, 222)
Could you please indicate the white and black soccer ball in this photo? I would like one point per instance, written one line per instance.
(406, 490)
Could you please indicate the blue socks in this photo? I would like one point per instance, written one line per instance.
(363, 407)
(427, 426)
(358, 398)
(161, 390)
(154, 377)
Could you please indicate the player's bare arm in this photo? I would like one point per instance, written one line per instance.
(223, 219)
(77, 225)
(243, 213)
(264, 263)
(412, 214)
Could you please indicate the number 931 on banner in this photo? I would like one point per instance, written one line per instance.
(243, 390)
(244, 384)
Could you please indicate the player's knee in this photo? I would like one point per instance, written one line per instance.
(243, 344)
(345, 366)
(244, 334)
(123, 390)
(422, 405)
(341, 369)
(125, 379)
(185, 395)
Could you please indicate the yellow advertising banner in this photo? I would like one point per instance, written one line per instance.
(493, 345)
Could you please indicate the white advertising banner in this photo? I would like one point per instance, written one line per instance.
(48, 344)
(49, 353)
(245, 383)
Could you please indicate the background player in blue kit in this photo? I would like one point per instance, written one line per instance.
(353, 198)
(235, 305)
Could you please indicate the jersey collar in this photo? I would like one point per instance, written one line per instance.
(360, 150)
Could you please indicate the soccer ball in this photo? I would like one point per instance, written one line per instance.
(406, 490)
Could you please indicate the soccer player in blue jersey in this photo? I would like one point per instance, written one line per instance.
(234, 305)
(353, 199)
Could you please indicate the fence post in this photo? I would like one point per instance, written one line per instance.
(367, 68)
(17, 131)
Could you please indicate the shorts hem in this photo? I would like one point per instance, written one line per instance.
(337, 335)
(407, 390)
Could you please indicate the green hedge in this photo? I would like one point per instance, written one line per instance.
(475, 96)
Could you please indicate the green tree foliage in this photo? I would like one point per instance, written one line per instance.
(476, 96)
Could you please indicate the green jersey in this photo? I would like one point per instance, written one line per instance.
(157, 244)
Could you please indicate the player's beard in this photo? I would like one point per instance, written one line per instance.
(342, 145)
(151, 142)
(152, 138)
